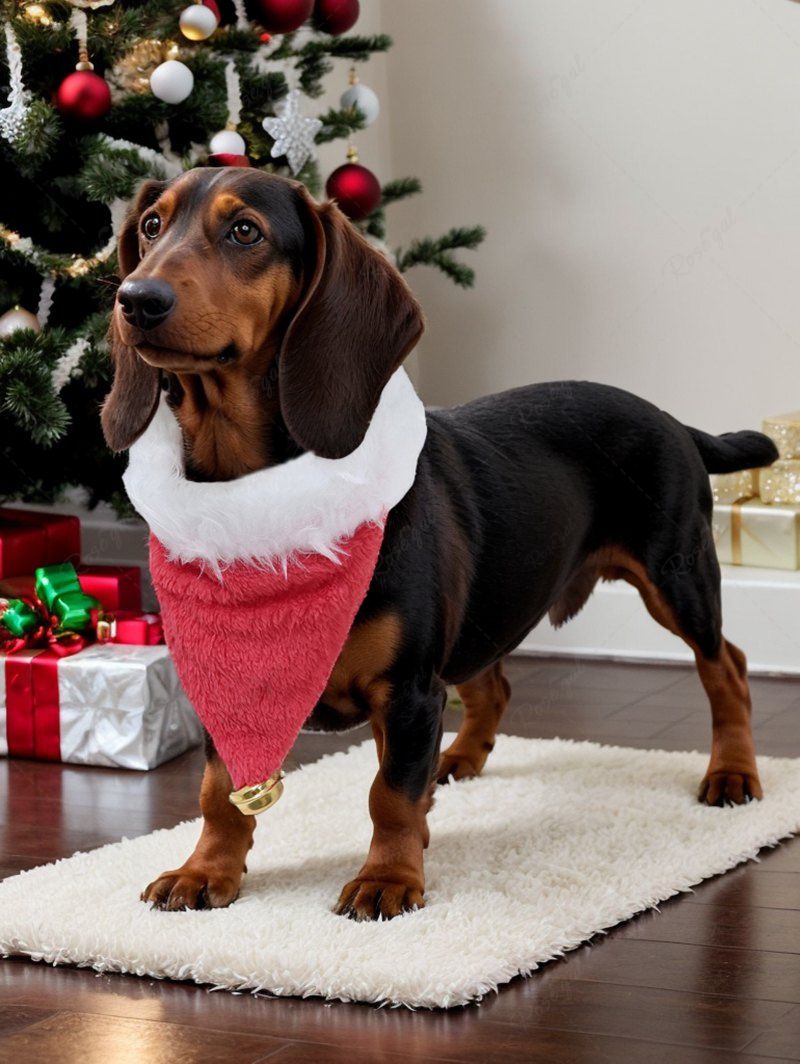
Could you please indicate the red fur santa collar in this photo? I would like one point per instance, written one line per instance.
(260, 578)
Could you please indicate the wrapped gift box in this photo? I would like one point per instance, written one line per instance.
(118, 588)
(29, 539)
(755, 533)
(111, 705)
(784, 431)
(780, 482)
(730, 487)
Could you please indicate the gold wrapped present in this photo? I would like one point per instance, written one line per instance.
(780, 482)
(730, 487)
(754, 533)
(784, 431)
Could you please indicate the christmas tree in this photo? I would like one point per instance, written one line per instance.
(101, 94)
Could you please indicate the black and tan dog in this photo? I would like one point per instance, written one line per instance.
(274, 327)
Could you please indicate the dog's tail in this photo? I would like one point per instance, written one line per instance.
(733, 450)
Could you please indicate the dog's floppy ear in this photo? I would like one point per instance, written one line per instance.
(133, 398)
(355, 324)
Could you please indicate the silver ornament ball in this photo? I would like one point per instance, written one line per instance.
(227, 142)
(17, 318)
(198, 22)
(363, 99)
(172, 81)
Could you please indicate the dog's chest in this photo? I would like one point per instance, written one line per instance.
(359, 685)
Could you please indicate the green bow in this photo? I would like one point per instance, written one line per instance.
(19, 617)
(58, 588)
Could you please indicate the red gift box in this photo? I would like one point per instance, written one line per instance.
(116, 587)
(29, 538)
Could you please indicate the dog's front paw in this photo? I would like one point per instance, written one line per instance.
(729, 788)
(194, 886)
(370, 899)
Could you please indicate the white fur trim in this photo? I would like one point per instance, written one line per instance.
(307, 505)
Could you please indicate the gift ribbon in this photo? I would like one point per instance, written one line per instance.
(738, 530)
(36, 632)
(33, 726)
(56, 617)
(58, 587)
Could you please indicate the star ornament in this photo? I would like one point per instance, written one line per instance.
(293, 133)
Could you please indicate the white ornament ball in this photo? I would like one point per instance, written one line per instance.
(16, 319)
(227, 142)
(172, 81)
(198, 22)
(363, 98)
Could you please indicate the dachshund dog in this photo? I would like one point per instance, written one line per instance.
(274, 326)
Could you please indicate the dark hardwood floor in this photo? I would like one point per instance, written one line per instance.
(713, 977)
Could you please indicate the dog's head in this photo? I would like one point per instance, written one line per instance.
(229, 270)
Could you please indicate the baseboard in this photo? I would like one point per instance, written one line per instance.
(760, 611)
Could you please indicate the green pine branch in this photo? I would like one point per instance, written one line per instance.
(28, 405)
(112, 173)
(399, 189)
(437, 252)
(339, 123)
(357, 48)
(313, 60)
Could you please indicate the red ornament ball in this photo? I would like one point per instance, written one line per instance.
(214, 7)
(336, 16)
(228, 159)
(356, 189)
(83, 95)
(283, 16)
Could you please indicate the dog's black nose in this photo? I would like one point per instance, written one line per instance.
(146, 303)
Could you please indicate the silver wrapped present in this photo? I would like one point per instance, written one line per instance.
(117, 706)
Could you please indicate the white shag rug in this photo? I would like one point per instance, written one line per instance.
(557, 841)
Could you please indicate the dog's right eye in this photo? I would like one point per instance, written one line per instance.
(151, 226)
(246, 233)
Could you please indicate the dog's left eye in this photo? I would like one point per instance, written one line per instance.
(245, 233)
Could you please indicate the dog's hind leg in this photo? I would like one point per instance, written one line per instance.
(211, 877)
(485, 698)
(685, 598)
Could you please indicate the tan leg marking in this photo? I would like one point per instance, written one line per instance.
(392, 880)
(485, 698)
(732, 774)
(211, 877)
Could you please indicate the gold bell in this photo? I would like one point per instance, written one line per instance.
(257, 797)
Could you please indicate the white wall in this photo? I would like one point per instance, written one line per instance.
(637, 165)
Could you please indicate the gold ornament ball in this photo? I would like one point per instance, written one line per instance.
(198, 22)
(17, 318)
